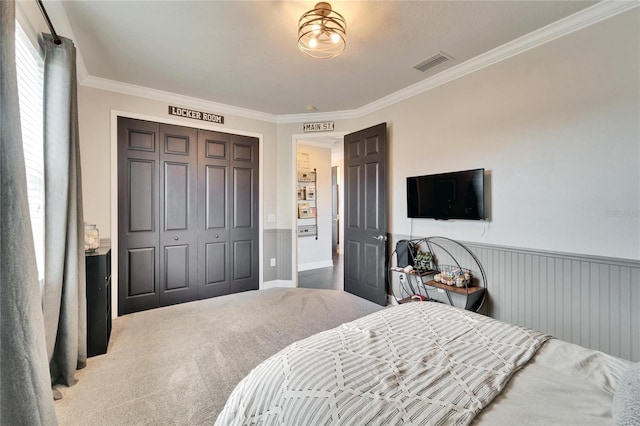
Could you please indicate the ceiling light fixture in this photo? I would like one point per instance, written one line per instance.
(322, 32)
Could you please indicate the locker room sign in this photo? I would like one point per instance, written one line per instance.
(196, 115)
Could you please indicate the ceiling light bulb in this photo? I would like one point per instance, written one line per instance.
(313, 43)
(335, 37)
(316, 29)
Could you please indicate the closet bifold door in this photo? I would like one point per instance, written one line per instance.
(243, 213)
(188, 225)
(178, 214)
(138, 215)
(213, 214)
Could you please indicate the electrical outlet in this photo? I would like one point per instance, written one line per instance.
(273, 261)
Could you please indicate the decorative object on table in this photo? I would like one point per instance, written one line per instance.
(422, 261)
(453, 276)
(91, 237)
(455, 271)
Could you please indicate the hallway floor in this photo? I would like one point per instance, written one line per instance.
(330, 278)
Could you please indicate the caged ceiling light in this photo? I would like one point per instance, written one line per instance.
(322, 32)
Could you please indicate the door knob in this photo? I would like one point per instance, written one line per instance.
(217, 236)
(379, 238)
(176, 238)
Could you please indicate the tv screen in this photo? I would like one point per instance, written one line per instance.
(455, 195)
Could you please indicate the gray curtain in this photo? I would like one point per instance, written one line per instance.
(64, 298)
(25, 389)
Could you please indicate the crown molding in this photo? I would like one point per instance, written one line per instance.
(587, 17)
(582, 19)
(182, 100)
(598, 12)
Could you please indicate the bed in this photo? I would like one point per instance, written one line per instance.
(427, 363)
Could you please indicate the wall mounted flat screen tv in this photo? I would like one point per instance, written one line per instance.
(455, 195)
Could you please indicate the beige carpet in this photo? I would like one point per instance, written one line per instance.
(178, 364)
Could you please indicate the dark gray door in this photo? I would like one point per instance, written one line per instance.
(365, 186)
(243, 213)
(335, 224)
(178, 214)
(138, 215)
(213, 245)
(187, 212)
(229, 228)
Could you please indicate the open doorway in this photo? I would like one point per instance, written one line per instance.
(319, 204)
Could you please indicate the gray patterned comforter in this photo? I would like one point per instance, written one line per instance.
(418, 363)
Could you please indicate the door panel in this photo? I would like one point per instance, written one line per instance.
(242, 198)
(141, 139)
(243, 234)
(213, 213)
(242, 254)
(176, 267)
(366, 213)
(372, 210)
(178, 214)
(353, 197)
(141, 266)
(215, 197)
(141, 195)
(176, 194)
(353, 268)
(371, 256)
(138, 215)
(243, 151)
(215, 263)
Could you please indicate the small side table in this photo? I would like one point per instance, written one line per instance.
(98, 274)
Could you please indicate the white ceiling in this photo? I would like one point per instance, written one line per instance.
(244, 53)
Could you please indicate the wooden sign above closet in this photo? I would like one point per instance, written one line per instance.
(196, 115)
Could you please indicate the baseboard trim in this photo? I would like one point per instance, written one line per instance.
(277, 283)
(315, 265)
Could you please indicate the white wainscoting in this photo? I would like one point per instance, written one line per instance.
(588, 300)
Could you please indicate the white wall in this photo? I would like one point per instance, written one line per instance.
(30, 19)
(337, 160)
(558, 130)
(312, 253)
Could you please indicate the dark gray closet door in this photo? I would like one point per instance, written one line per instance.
(213, 213)
(178, 214)
(138, 216)
(187, 212)
(243, 214)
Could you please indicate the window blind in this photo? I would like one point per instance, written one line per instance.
(30, 70)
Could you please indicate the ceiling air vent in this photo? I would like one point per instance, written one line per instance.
(434, 61)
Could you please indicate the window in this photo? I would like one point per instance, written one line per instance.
(30, 69)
